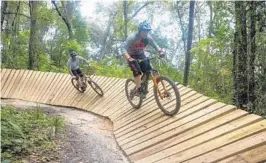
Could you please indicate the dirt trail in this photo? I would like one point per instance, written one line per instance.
(89, 137)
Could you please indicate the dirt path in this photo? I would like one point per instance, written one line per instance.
(89, 137)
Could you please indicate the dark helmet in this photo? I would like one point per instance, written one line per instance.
(144, 26)
(73, 53)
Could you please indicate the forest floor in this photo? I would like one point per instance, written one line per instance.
(87, 138)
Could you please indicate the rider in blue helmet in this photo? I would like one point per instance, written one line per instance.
(134, 47)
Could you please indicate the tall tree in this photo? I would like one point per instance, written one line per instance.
(189, 40)
(252, 56)
(65, 17)
(241, 58)
(33, 55)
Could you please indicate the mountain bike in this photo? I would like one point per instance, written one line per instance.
(165, 91)
(81, 86)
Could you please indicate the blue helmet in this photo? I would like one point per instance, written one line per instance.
(144, 26)
(73, 53)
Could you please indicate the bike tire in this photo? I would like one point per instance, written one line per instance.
(177, 101)
(139, 100)
(74, 81)
(96, 88)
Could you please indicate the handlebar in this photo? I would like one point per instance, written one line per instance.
(149, 58)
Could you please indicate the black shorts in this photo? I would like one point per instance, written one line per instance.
(137, 68)
(77, 72)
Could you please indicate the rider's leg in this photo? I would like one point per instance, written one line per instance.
(75, 73)
(81, 77)
(134, 65)
(138, 81)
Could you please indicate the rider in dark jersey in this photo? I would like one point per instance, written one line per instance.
(133, 48)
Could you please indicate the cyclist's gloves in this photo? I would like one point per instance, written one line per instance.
(162, 53)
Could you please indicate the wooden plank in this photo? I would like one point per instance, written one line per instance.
(48, 80)
(185, 153)
(58, 95)
(84, 101)
(229, 118)
(94, 97)
(122, 97)
(111, 88)
(80, 97)
(3, 71)
(35, 86)
(11, 85)
(125, 108)
(15, 87)
(257, 154)
(92, 105)
(7, 83)
(158, 116)
(149, 110)
(256, 140)
(24, 83)
(54, 82)
(96, 105)
(138, 145)
(168, 130)
(158, 123)
(58, 86)
(18, 84)
(113, 93)
(4, 78)
(41, 87)
(26, 91)
(66, 91)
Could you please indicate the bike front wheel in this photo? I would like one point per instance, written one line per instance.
(167, 95)
(130, 89)
(74, 82)
(96, 87)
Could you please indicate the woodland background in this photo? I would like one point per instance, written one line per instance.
(217, 48)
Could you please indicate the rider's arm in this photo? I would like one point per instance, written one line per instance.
(130, 39)
(153, 44)
(69, 67)
(81, 58)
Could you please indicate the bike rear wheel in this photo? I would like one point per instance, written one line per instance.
(96, 87)
(74, 82)
(130, 89)
(167, 95)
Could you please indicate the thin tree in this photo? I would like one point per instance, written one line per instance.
(189, 41)
(33, 56)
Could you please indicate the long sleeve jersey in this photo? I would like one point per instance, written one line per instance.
(135, 45)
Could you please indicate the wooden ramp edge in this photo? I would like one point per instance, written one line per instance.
(204, 130)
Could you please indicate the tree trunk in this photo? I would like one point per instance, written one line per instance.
(125, 7)
(251, 95)
(65, 18)
(189, 41)
(211, 19)
(182, 27)
(33, 58)
(241, 79)
(3, 11)
(106, 34)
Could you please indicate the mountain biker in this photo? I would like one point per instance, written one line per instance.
(73, 66)
(133, 49)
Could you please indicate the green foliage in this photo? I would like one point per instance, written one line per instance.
(26, 131)
(211, 69)
(111, 67)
